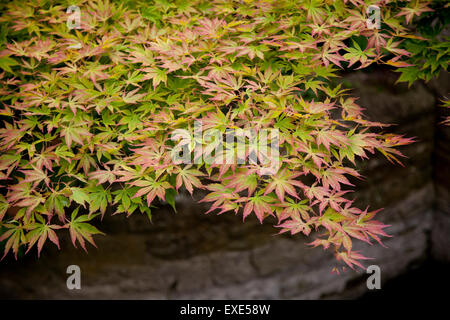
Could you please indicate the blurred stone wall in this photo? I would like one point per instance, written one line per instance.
(441, 164)
(192, 255)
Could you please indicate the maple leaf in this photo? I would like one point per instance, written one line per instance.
(222, 197)
(94, 71)
(188, 177)
(156, 75)
(416, 10)
(39, 232)
(333, 56)
(11, 135)
(356, 54)
(298, 218)
(151, 188)
(242, 179)
(98, 199)
(75, 132)
(351, 258)
(80, 230)
(314, 11)
(103, 176)
(334, 177)
(35, 175)
(330, 137)
(15, 235)
(6, 63)
(210, 28)
(4, 205)
(259, 204)
(377, 41)
(132, 97)
(284, 182)
(40, 48)
(350, 110)
(294, 208)
(79, 195)
(29, 203)
(55, 204)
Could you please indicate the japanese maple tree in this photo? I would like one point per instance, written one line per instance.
(88, 114)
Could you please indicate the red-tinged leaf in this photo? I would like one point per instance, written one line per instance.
(294, 225)
(103, 176)
(15, 236)
(156, 75)
(258, 204)
(398, 64)
(35, 176)
(132, 97)
(330, 137)
(351, 258)
(283, 182)
(243, 179)
(334, 177)
(4, 205)
(350, 110)
(416, 9)
(222, 197)
(188, 177)
(320, 242)
(151, 188)
(75, 133)
(53, 237)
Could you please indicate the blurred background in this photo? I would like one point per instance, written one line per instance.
(190, 255)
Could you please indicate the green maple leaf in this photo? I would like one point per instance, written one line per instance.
(80, 230)
(409, 74)
(7, 62)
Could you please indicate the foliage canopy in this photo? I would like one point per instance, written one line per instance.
(89, 128)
